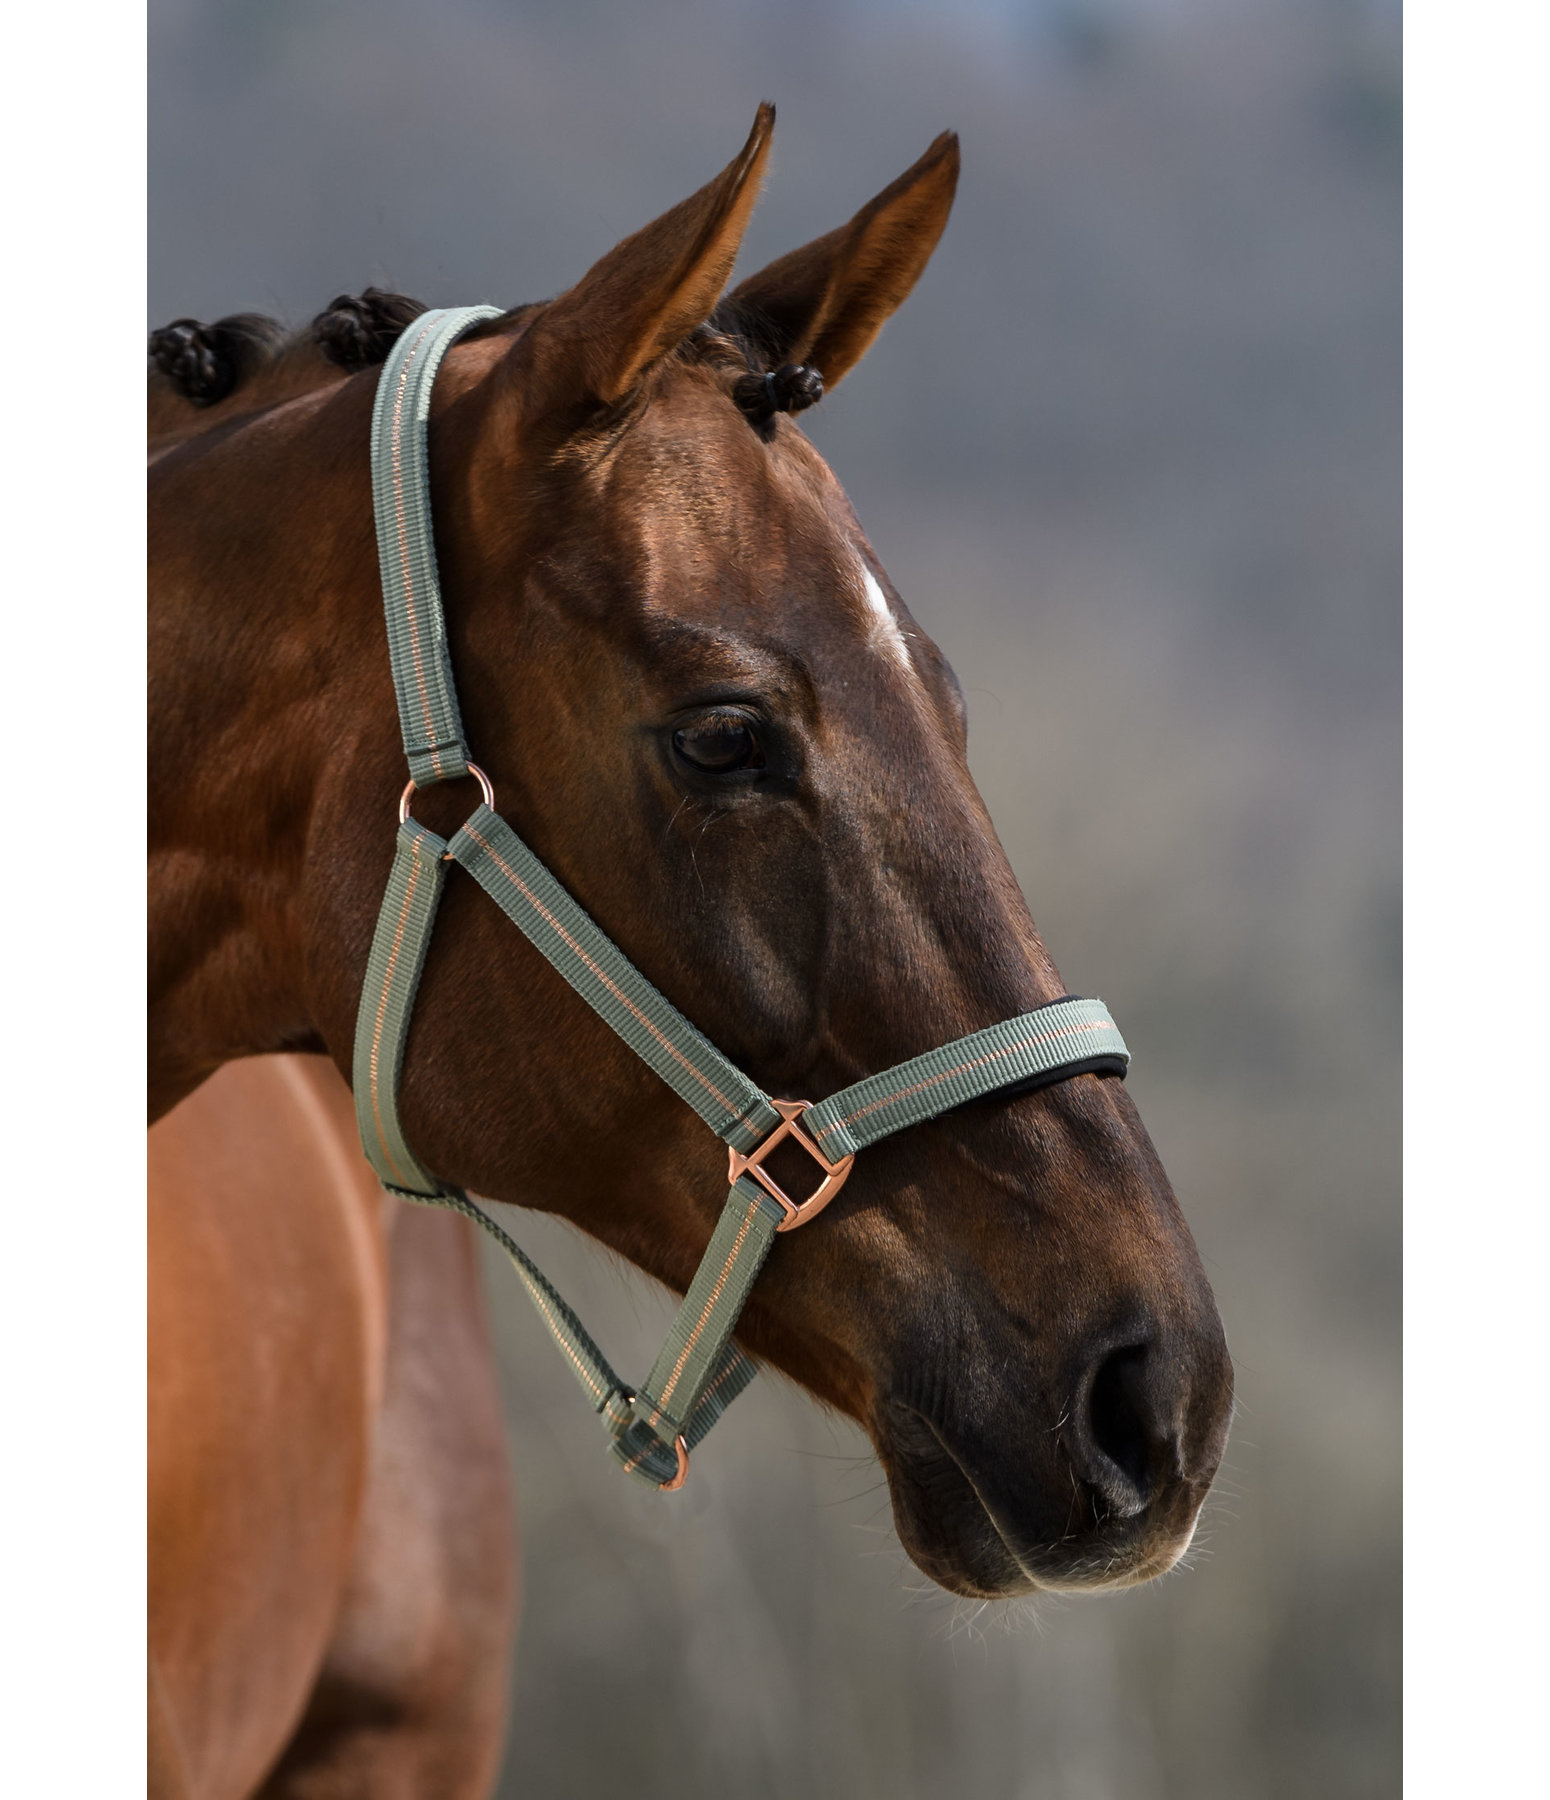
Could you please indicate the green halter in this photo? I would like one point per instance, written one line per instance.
(700, 1370)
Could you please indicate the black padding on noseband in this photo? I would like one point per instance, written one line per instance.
(1092, 1065)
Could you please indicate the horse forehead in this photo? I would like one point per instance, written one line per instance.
(708, 484)
(706, 499)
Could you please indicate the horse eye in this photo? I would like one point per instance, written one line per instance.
(718, 745)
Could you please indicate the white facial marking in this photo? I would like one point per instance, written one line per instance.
(884, 635)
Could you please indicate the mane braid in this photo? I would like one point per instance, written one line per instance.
(357, 331)
(205, 363)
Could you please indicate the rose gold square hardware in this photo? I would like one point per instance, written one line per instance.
(834, 1173)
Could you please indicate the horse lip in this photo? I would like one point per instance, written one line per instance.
(1121, 1571)
(986, 1513)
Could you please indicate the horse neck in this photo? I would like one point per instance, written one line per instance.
(267, 676)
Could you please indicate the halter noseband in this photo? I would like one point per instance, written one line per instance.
(700, 1371)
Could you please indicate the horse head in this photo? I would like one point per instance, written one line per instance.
(705, 706)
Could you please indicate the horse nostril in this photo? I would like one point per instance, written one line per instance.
(1122, 1431)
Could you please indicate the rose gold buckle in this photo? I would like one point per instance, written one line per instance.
(834, 1173)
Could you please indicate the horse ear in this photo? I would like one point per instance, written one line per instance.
(823, 304)
(593, 345)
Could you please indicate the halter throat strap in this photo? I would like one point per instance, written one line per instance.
(700, 1370)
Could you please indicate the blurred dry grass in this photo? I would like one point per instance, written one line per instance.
(1131, 455)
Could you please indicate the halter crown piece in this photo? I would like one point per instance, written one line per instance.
(700, 1371)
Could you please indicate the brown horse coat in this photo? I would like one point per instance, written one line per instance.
(331, 1550)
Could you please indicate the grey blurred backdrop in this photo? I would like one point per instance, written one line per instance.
(1131, 455)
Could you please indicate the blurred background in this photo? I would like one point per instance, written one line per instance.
(1131, 454)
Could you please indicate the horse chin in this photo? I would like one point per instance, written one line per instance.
(951, 1534)
(978, 1565)
(944, 1526)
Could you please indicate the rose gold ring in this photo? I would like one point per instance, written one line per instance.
(681, 1475)
(473, 769)
(672, 1487)
(798, 1212)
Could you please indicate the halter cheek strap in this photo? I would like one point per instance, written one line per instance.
(700, 1371)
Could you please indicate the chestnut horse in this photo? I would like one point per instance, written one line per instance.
(708, 711)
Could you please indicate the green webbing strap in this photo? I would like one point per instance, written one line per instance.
(708, 1371)
(729, 1103)
(1037, 1043)
(682, 1387)
(727, 1374)
(400, 479)
(387, 999)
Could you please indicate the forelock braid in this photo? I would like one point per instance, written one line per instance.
(791, 388)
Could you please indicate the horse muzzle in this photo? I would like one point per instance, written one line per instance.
(998, 1497)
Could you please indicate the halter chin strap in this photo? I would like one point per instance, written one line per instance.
(700, 1371)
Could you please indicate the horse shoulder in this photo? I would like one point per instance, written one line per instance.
(267, 1349)
(411, 1696)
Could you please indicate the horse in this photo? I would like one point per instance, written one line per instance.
(720, 727)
